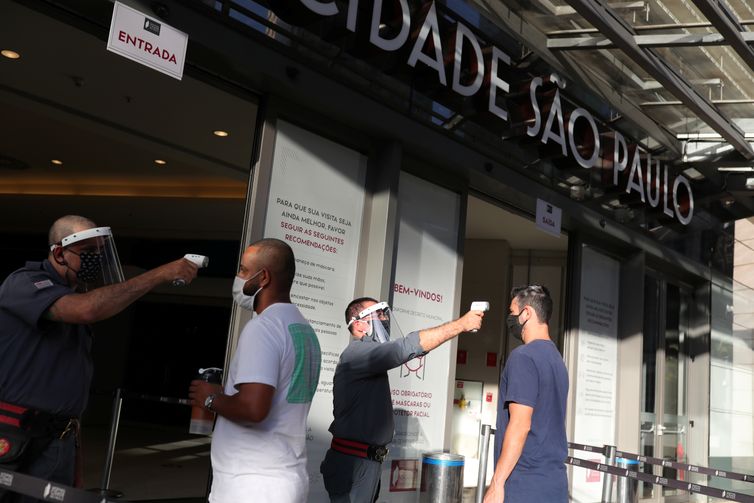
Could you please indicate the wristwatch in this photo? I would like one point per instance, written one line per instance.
(209, 401)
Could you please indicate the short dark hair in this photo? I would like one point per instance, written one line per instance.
(355, 307)
(277, 255)
(535, 296)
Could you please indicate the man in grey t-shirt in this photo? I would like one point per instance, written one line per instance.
(362, 407)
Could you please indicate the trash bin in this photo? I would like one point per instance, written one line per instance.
(442, 478)
(627, 489)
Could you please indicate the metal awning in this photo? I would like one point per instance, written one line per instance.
(698, 52)
(675, 77)
(680, 71)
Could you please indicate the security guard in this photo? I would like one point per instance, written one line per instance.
(362, 408)
(45, 342)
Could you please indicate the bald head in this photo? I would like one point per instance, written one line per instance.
(67, 225)
(277, 257)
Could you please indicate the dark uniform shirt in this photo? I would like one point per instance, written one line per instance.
(44, 365)
(362, 404)
(535, 375)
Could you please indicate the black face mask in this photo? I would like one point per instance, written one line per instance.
(386, 325)
(515, 328)
(91, 266)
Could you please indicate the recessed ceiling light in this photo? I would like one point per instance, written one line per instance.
(693, 173)
(10, 54)
(221, 133)
(160, 162)
(57, 162)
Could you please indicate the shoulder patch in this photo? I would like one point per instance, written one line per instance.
(43, 284)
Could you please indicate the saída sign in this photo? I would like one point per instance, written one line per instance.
(475, 72)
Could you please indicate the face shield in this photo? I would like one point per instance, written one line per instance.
(99, 264)
(381, 322)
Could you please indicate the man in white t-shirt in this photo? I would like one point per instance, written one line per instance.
(259, 442)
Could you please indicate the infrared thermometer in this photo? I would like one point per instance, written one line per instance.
(199, 260)
(480, 305)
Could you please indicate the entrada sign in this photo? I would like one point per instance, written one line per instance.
(650, 181)
(140, 38)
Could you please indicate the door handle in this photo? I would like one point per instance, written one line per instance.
(679, 431)
(650, 430)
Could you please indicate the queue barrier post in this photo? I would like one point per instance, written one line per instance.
(484, 447)
(608, 479)
(627, 488)
(104, 488)
(441, 478)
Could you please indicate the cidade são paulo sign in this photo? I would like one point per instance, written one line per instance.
(476, 72)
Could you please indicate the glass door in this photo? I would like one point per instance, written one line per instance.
(664, 416)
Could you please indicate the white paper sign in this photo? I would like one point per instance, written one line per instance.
(423, 297)
(316, 203)
(597, 366)
(548, 218)
(148, 41)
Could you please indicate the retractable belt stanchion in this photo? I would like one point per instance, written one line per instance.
(41, 489)
(607, 480)
(104, 489)
(51, 491)
(628, 474)
(627, 489)
(484, 447)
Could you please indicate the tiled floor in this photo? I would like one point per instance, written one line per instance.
(155, 464)
(150, 463)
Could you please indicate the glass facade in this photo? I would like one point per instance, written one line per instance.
(731, 440)
(495, 121)
(719, 247)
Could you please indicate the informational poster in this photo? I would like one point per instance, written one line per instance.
(423, 297)
(597, 367)
(316, 204)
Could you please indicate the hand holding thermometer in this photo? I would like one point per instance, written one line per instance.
(480, 305)
(199, 260)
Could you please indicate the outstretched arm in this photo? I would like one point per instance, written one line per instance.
(430, 338)
(107, 301)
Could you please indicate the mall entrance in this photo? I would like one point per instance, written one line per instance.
(164, 163)
(503, 248)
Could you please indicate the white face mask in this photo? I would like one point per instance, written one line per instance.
(244, 301)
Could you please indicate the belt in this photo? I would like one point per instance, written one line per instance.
(359, 449)
(38, 421)
(12, 414)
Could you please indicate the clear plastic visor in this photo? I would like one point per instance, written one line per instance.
(382, 325)
(99, 264)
